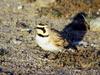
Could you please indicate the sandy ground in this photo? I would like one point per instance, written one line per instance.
(20, 55)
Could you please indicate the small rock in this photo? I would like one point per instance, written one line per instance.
(17, 41)
(20, 7)
(98, 53)
(43, 3)
(95, 24)
(98, 13)
(3, 51)
(8, 5)
(93, 45)
(71, 50)
(21, 25)
(50, 56)
(85, 44)
(81, 43)
(99, 10)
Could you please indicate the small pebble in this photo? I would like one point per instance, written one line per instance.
(71, 50)
(21, 25)
(98, 13)
(99, 10)
(20, 7)
(81, 43)
(8, 5)
(85, 44)
(93, 45)
(3, 51)
(16, 41)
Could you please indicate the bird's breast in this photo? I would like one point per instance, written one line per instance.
(45, 44)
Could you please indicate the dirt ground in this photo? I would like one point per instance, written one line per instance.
(19, 53)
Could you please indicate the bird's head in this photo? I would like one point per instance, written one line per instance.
(42, 30)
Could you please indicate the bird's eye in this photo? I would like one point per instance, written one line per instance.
(41, 28)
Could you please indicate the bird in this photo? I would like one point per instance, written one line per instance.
(49, 39)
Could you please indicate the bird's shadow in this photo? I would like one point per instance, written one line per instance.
(76, 30)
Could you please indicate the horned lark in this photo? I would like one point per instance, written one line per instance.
(49, 39)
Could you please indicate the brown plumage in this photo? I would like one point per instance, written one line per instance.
(49, 39)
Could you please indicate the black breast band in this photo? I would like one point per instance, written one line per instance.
(42, 35)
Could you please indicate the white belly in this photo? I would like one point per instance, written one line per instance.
(45, 44)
